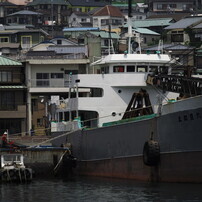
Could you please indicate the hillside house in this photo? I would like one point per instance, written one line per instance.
(13, 92)
(108, 18)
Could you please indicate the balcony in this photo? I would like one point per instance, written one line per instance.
(9, 78)
(50, 83)
(19, 111)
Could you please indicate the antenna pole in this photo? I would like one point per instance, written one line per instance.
(129, 25)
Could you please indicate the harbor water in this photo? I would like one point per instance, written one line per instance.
(99, 190)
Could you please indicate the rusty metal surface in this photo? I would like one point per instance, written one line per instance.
(174, 167)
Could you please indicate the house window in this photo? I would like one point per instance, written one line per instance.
(81, 41)
(116, 22)
(57, 76)
(177, 36)
(7, 100)
(5, 76)
(172, 5)
(187, 6)
(164, 6)
(106, 42)
(83, 19)
(59, 42)
(159, 7)
(4, 39)
(104, 22)
(42, 79)
(40, 122)
(26, 41)
(42, 38)
(79, 9)
(118, 69)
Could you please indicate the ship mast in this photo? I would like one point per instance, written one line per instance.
(129, 25)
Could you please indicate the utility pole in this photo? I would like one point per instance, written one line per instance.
(52, 17)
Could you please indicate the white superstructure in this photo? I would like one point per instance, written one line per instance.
(104, 96)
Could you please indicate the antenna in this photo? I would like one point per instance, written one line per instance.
(129, 25)
(160, 46)
(110, 38)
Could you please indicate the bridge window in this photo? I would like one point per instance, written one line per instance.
(153, 69)
(141, 68)
(118, 69)
(130, 68)
(104, 70)
(163, 69)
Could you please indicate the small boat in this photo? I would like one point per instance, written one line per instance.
(13, 169)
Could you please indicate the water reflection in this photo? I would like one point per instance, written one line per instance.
(99, 190)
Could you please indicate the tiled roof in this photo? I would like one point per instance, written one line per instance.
(185, 22)
(109, 10)
(4, 61)
(87, 3)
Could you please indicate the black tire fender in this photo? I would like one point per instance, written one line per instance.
(12, 173)
(5, 175)
(27, 173)
(151, 153)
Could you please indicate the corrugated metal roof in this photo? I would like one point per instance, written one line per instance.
(72, 29)
(104, 34)
(185, 22)
(58, 2)
(123, 5)
(146, 31)
(25, 12)
(11, 87)
(199, 26)
(151, 22)
(4, 61)
(170, 47)
(2, 32)
(89, 3)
